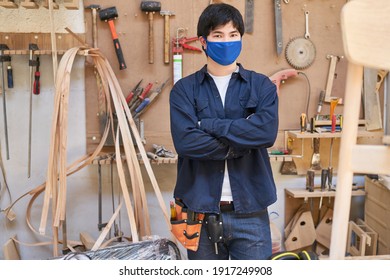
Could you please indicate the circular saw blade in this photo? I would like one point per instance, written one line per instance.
(300, 53)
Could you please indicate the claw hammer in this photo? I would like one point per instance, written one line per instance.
(150, 7)
(94, 8)
(167, 33)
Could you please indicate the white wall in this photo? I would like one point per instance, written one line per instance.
(82, 214)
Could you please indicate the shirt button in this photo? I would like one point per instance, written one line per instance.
(221, 170)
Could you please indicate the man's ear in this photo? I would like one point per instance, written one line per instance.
(202, 41)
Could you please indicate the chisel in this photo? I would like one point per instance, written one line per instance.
(2, 59)
(31, 63)
(324, 177)
(10, 78)
(37, 75)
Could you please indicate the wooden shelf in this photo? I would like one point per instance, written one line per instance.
(303, 193)
(106, 159)
(18, 43)
(307, 135)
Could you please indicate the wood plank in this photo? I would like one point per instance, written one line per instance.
(8, 4)
(370, 159)
(87, 240)
(10, 251)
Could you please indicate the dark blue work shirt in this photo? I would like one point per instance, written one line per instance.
(205, 134)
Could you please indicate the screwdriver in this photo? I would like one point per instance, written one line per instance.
(37, 75)
(10, 79)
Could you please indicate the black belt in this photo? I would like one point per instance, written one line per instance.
(226, 206)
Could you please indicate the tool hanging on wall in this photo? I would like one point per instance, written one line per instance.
(300, 51)
(167, 34)
(94, 8)
(101, 225)
(10, 76)
(37, 75)
(331, 76)
(3, 58)
(278, 27)
(109, 15)
(249, 15)
(321, 99)
(316, 158)
(333, 103)
(136, 90)
(32, 63)
(330, 167)
(372, 82)
(151, 7)
(153, 96)
(138, 100)
(179, 44)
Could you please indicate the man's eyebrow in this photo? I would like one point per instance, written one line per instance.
(221, 32)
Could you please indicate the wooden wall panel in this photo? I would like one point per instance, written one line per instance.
(258, 54)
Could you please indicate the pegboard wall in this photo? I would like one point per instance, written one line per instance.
(259, 53)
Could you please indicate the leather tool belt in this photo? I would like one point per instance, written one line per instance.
(186, 226)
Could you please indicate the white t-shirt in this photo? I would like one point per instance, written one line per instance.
(222, 83)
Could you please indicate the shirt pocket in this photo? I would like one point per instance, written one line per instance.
(202, 108)
(248, 106)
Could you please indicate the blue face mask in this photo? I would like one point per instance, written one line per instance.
(224, 53)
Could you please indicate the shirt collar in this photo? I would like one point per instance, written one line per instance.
(243, 73)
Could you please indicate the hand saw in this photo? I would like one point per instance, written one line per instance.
(278, 26)
(249, 15)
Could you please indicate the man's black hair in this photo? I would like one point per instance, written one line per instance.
(219, 14)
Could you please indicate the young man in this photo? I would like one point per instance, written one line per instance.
(223, 119)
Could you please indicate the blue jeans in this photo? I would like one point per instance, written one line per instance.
(245, 237)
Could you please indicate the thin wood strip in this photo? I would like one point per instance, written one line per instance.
(57, 152)
(106, 229)
(52, 173)
(100, 66)
(143, 204)
(128, 145)
(126, 195)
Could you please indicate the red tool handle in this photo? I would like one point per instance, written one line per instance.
(129, 97)
(146, 91)
(37, 86)
(37, 75)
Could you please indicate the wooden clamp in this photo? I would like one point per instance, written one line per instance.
(332, 70)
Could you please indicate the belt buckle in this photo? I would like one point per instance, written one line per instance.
(226, 206)
(225, 202)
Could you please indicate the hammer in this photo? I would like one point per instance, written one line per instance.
(167, 36)
(109, 15)
(150, 7)
(94, 8)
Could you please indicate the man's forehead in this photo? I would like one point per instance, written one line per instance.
(223, 28)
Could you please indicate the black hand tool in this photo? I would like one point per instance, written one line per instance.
(32, 48)
(109, 15)
(3, 58)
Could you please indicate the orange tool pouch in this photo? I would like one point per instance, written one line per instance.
(186, 226)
